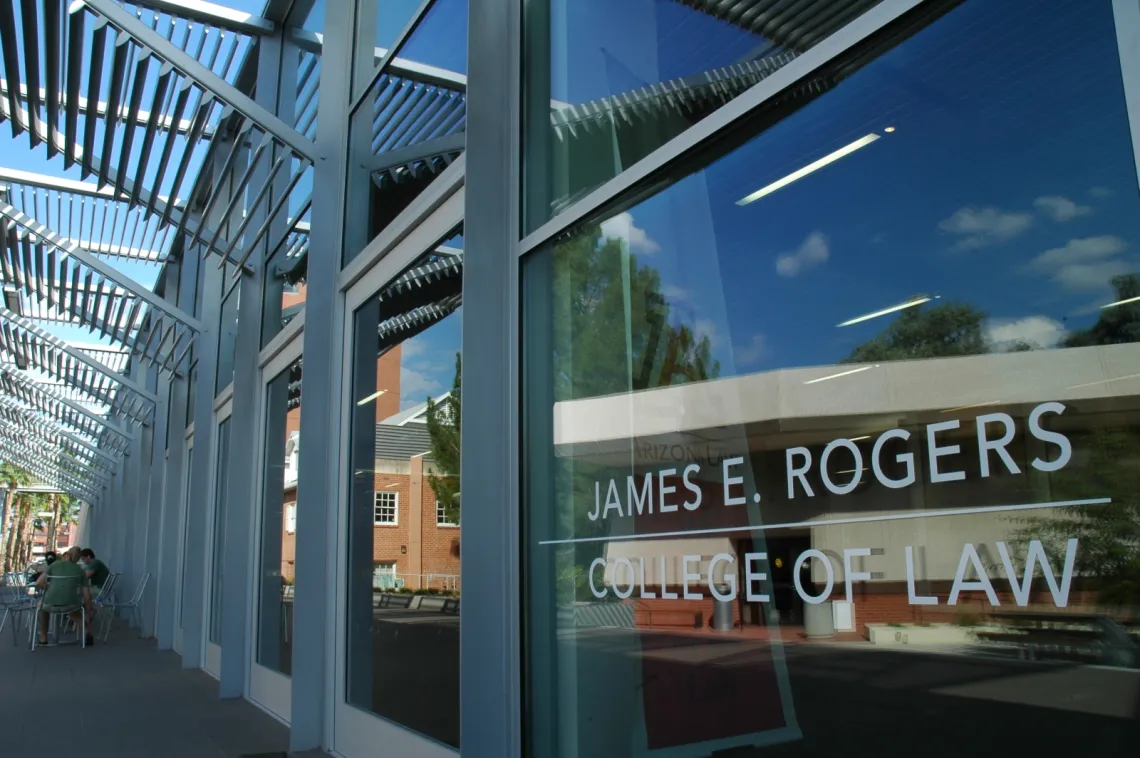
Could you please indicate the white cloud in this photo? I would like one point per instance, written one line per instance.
(815, 250)
(416, 387)
(678, 297)
(1079, 250)
(623, 227)
(752, 351)
(1060, 208)
(1090, 277)
(1101, 192)
(981, 227)
(704, 327)
(409, 348)
(1039, 331)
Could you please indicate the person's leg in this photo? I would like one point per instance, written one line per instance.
(42, 629)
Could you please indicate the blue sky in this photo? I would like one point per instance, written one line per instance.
(1007, 182)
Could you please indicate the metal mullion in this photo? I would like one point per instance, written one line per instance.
(75, 33)
(120, 61)
(8, 43)
(138, 86)
(165, 73)
(100, 35)
(31, 45)
(53, 36)
(393, 51)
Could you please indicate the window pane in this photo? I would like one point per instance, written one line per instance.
(278, 527)
(625, 78)
(285, 281)
(403, 595)
(217, 561)
(871, 377)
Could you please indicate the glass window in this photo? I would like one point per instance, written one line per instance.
(412, 120)
(403, 649)
(278, 540)
(834, 441)
(227, 335)
(387, 508)
(287, 271)
(217, 560)
(445, 516)
(608, 82)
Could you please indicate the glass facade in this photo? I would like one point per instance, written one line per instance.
(848, 415)
(787, 351)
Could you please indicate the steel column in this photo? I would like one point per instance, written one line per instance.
(490, 647)
(317, 469)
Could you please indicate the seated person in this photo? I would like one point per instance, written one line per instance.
(97, 571)
(59, 582)
(38, 567)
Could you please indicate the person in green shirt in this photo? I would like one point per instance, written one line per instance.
(97, 571)
(62, 583)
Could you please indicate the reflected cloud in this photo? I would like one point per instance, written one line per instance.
(982, 227)
(753, 351)
(1089, 277)
(814, 251)
(1101, 192)
(1081, 250)
(622, 227)
(1060, 208)
(1034, 331)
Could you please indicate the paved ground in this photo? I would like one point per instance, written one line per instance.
(148, 705)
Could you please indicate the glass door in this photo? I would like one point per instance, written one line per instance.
(398, 587)
(271, 665)
(183, 510)
(215, 577)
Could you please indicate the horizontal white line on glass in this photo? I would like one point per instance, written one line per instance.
(841, 373)
(829, 522)
(811, 167)
(901, 306)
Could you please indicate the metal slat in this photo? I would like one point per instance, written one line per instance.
(164, 76)
(201, 116)
(100, 34)
(119, 62)
(138, 87)
(180, 100)
(8, 39)
(31, 39)
(75, 30)
(221, 175)
(53, 37)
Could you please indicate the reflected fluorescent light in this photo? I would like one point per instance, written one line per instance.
(808, 169)
(901, 306)
(1103, 381)
(968, 407)
(1121, 302)
(859, 439)
(889, 130)
(841, 373)
(371, 397)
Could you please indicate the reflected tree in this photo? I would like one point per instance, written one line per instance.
(443, 423)
(945, 330)
(1116, 325)
(13, 478)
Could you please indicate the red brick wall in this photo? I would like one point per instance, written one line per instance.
(439, 545)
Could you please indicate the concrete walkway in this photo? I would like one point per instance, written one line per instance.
(122, 700)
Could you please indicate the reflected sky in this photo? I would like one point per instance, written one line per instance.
(1002, 177)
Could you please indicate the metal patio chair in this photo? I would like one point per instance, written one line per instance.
(15, 601)
(131, 605)
(56, 611)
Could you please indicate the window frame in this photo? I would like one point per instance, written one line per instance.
(395, 507)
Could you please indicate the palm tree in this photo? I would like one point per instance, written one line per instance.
(13, 478)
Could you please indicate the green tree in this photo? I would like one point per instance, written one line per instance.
(13, 477)
(1117, 325)
(942, 331)
(443, 423)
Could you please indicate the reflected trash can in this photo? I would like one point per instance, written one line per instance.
(819, 620)
(722, 613)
